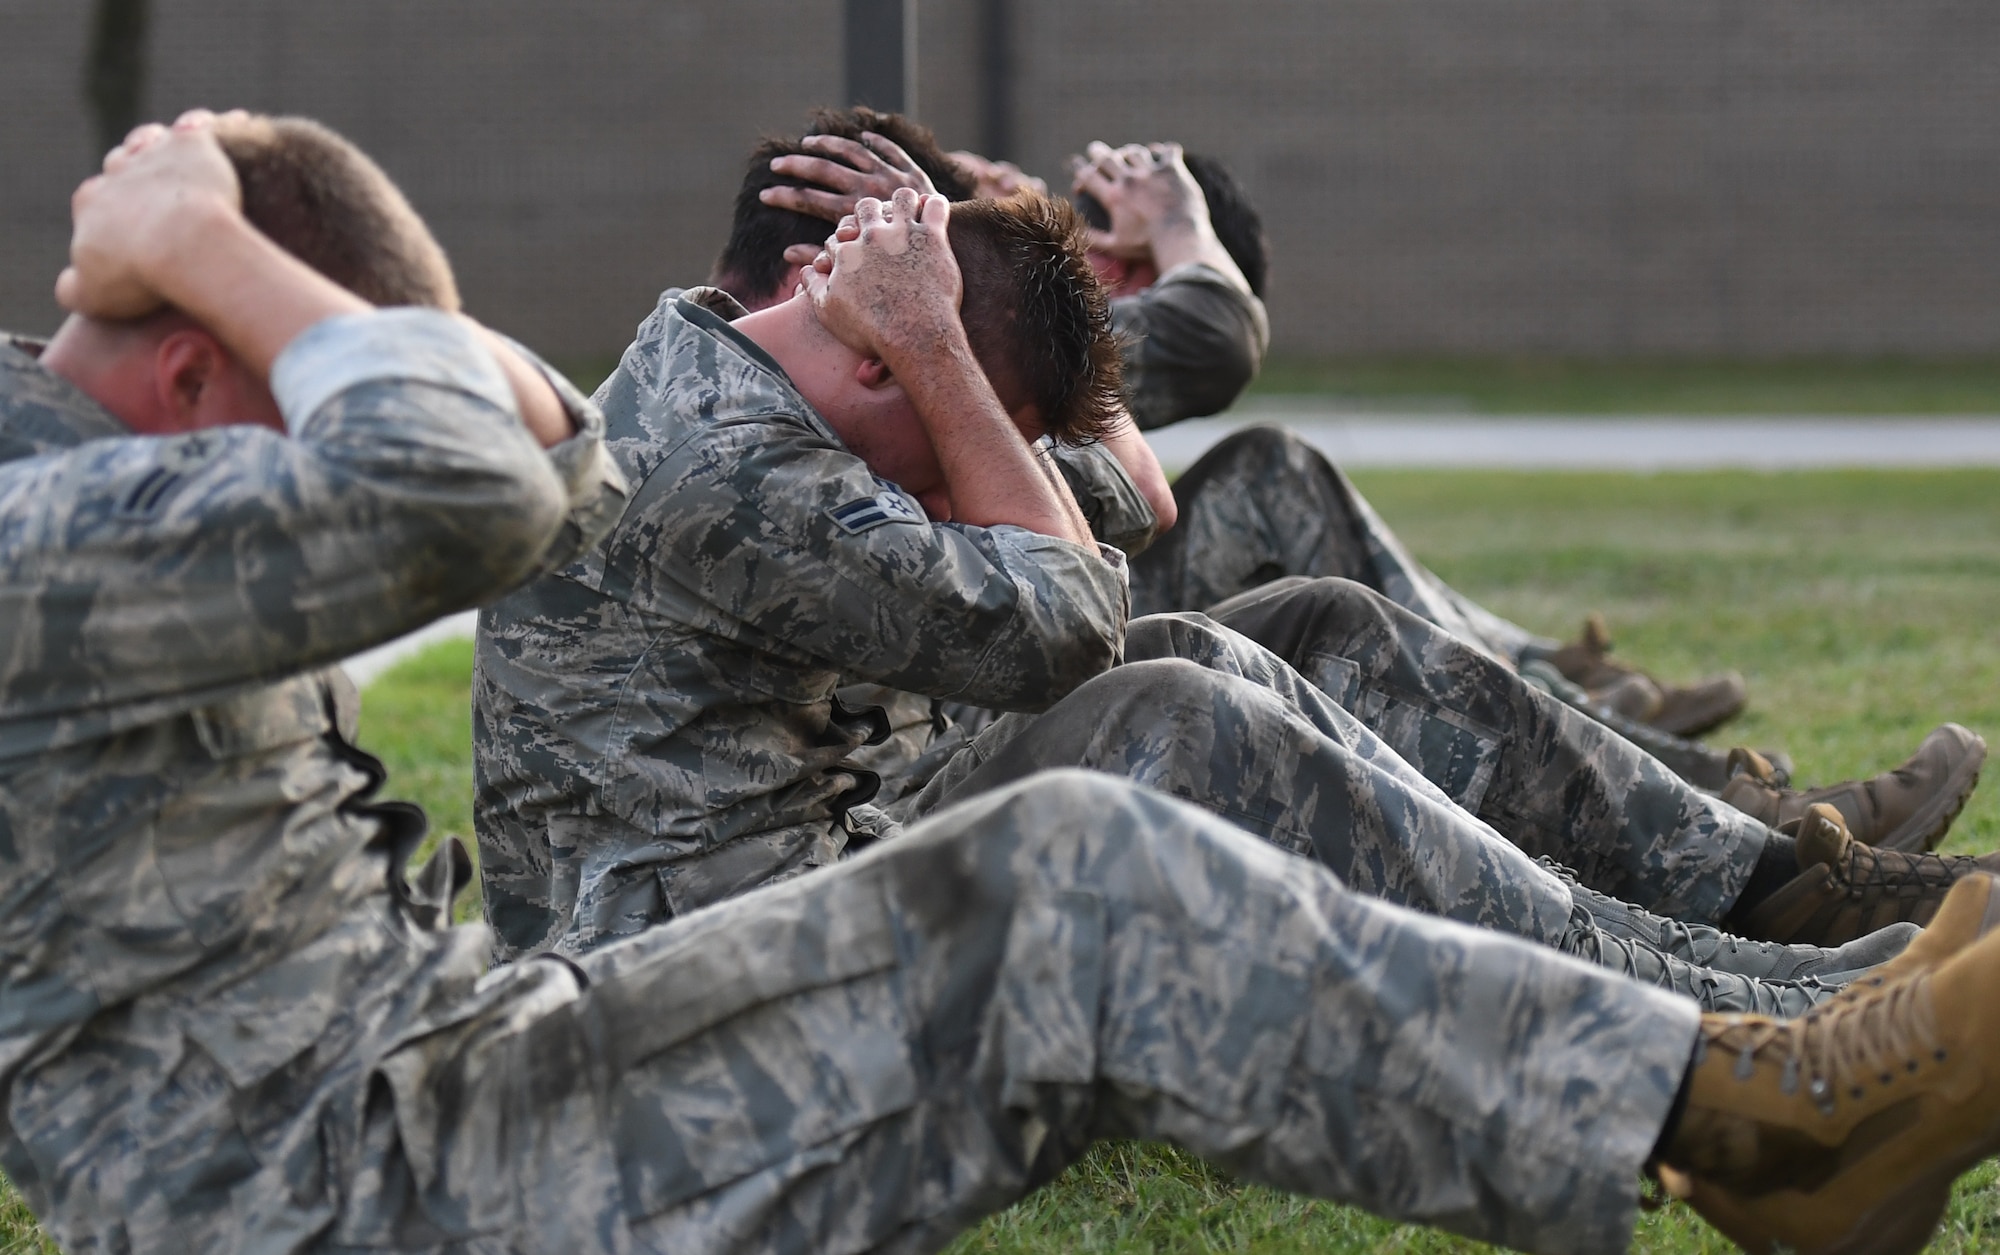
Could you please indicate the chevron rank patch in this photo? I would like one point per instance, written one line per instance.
(886, 506)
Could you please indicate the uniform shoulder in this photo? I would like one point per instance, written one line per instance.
(689, 376)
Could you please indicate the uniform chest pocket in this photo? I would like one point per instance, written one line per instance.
(247, 811)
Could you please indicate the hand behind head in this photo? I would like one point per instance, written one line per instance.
(890, 283)
(126, 220)
(1144, 188)
(849, 171)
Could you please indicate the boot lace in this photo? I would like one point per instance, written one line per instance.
(1841, 1047)
(1589, 941)
(1677, 939)
(1912, 874)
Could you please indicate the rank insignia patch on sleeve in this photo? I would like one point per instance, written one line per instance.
(886, 506)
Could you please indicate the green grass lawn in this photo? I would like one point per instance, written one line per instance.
(1861, 606)
(1557, 386)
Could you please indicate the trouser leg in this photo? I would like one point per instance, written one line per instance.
(1554, 781)
(1247, 739)
(875, 1056)
(1263, 505)
(1242, 735)
(1700, 765)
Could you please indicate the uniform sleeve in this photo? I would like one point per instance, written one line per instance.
(1193, 342)
(140, 575)
(593, 486)
(1118, 513)
(767, 533)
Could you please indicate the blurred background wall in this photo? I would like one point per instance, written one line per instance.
(1734, 178)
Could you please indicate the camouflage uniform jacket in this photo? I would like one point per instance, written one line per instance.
(1193, 342)
(180, 808)
(655, 726)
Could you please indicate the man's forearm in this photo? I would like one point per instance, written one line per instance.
(256, 298)
(994, 476)
(1136, 456)
(250, 294)
(1183, 241)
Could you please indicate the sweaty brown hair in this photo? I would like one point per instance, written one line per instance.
(322, 200)
(1036, 316)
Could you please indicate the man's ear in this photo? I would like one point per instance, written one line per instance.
(185, 364)
(873, 373)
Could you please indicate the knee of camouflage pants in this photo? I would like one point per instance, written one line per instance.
(1240, 735)
(1442, 751)
(1316, 625)
(1260, 505)
(879, 1054)
(1338, 633)
(899, 1044)
(1557, 782)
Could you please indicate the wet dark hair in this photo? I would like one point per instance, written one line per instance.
(1237, 223)
(753, 261)
(1037, 318)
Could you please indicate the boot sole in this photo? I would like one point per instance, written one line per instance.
(1923, 830)
(1909, 1216)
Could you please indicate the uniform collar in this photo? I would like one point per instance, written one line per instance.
(40, 411)
(711, 310)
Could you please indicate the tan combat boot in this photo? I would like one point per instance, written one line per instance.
(1909, 808)
(1841, 1132)
(1684, 710)
(1846, 889)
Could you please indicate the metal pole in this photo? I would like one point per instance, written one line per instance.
(882, 54)
(114, 69)
(996, 72)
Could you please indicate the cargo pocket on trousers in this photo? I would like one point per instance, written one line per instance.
(758, 1040)
(1457, 754)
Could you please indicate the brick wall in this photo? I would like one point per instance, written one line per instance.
(1717, 177)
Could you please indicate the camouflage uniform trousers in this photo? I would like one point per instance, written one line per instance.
(1207, 715)
(1555, 782)
(1263, 505)
(875, 1056)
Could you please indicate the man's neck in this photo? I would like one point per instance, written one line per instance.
(788, 331)
(79, 353)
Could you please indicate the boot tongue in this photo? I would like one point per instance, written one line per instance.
(1744, 761)
(1872, 1038)
(1822, 839)
(1596, 637)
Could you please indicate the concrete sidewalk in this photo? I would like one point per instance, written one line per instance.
(1354, 438)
